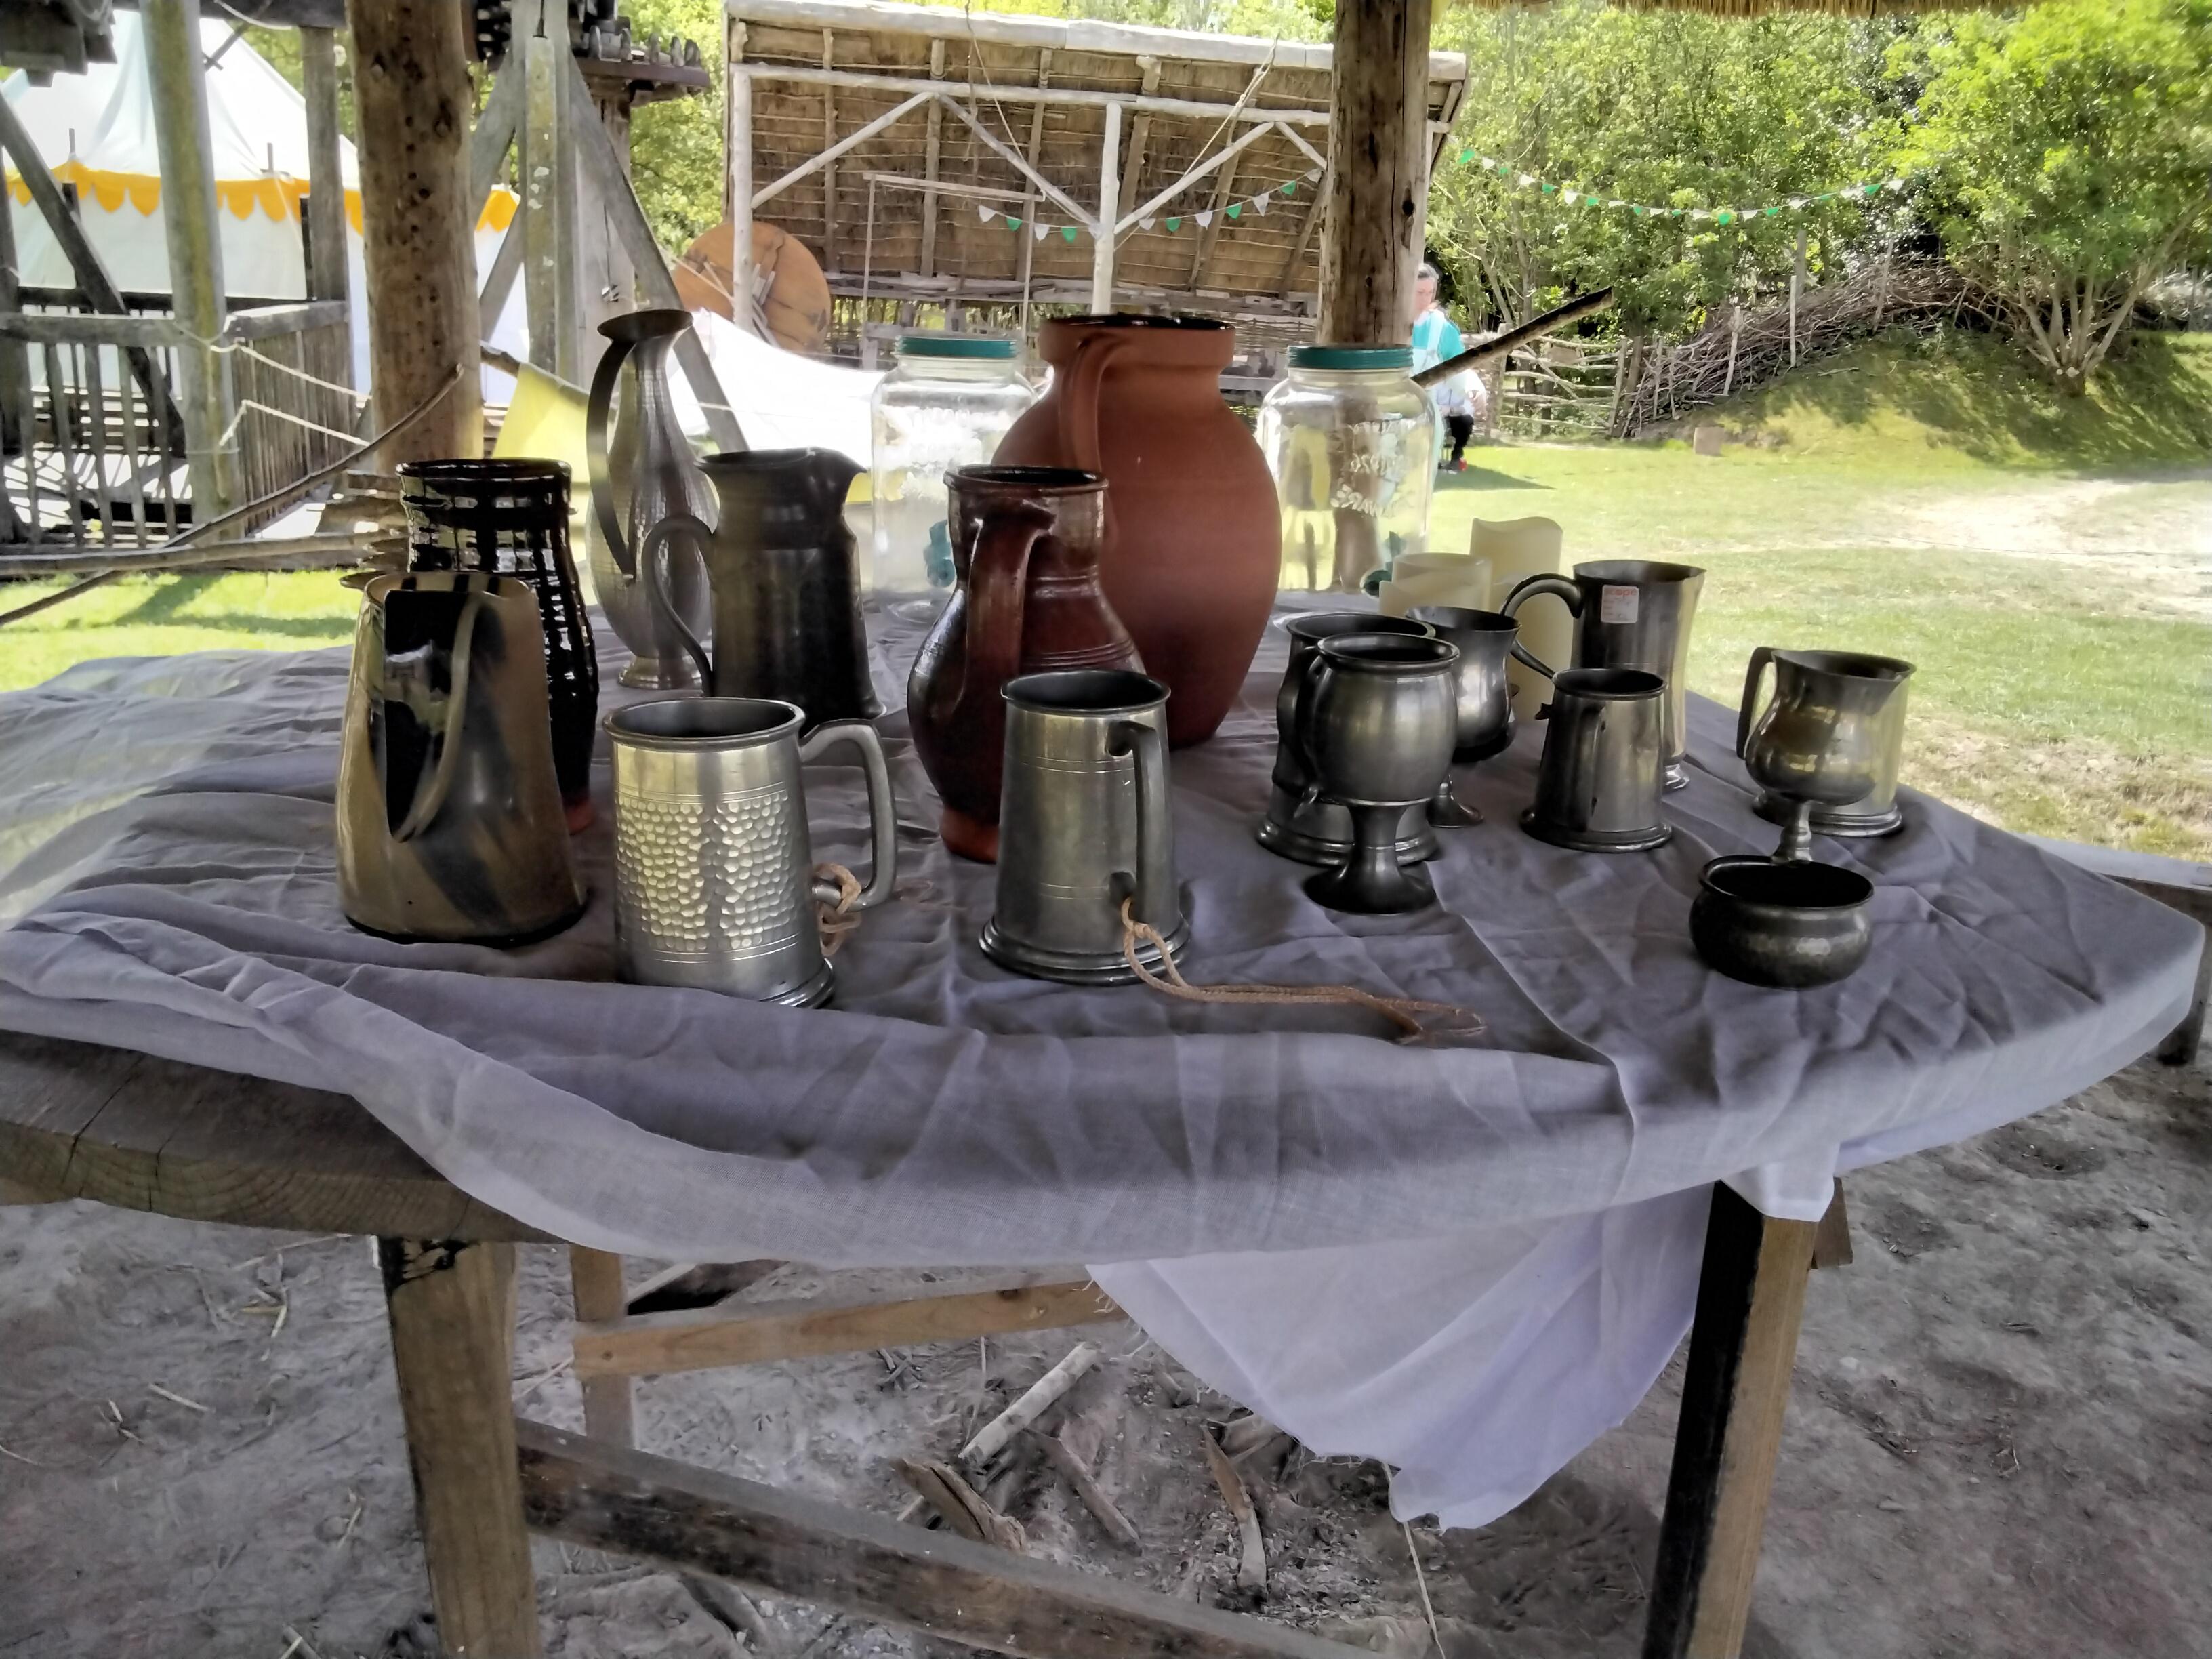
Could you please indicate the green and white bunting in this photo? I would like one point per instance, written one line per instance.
(1235, 211)
(1574, 195)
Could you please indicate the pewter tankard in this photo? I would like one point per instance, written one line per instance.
(1877, 812)
(1819, 741)
(1597, 786)
(1083, 825)
(713, 867)
(1298, 825)
(1629, 613)
(1484, 638)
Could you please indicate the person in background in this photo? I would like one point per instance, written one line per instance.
(1435, 337)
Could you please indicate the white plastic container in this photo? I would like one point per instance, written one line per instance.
(945, 405)
(1352, 441)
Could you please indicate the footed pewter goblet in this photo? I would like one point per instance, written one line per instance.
(1376, 727)
(1819, 742)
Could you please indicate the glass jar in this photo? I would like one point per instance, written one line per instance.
(945, 405)
(1352, 444)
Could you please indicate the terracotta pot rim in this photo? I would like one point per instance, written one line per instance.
(1144, 319)
(1187, 341)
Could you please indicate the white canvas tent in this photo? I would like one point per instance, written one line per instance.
(95, 131)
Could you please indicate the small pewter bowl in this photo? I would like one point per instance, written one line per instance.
(1788, 926)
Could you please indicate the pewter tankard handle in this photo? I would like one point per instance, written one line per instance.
(883, 810)
(652, 570)
(1749, 708)
(1530, 587)
(596, 413)
(1155, 863)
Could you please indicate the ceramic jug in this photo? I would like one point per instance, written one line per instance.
(648, 473)
(1026, 601)
(449, 821)
(785, 575)
(1192, 536)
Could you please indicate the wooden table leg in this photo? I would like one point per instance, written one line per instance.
(453, 1343)
(595, 1279)
(1750, 1295)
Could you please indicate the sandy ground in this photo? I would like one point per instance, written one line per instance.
(2000, 1443)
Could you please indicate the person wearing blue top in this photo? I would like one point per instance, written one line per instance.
(1436, 337)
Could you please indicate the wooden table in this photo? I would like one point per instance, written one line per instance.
(82, 1121)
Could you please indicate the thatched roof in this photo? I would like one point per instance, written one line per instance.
(879, 52)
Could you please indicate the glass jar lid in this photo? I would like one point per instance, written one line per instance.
(1352, 356)
(973, 347)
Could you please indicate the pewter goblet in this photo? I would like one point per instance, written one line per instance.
(1376, 728)
(1819, 742)
(1484, 638)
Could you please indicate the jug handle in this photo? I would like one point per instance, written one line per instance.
(1153, 862)
(1745, 710)
(1529, 587)
(1302, 732)
(430, 792)
(998, 596)
(596, 414)
(652, 569)
(883, 807)
(1078, 407)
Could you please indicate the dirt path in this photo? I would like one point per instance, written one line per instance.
(2000, 1443)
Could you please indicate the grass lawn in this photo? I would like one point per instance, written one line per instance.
(2048, 566)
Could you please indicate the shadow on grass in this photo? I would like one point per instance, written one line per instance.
(1482, 477)
(2148, 406)
(167, 606)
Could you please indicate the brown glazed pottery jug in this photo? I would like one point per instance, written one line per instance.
(1025, 544)
(1192, 551)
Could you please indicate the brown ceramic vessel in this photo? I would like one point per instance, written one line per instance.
(1025, 544)
(1192, 552)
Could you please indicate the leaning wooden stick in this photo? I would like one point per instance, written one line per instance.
(1476, 356)
(1252, 1566)
(1062, 1457)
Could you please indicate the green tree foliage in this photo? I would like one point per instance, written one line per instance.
(676, 147)
(1673, 111)
(2068, 152)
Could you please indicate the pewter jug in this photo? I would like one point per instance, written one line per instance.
(1629, 613)
(1376, 727)
(649, 473)
(713, 866)
(449, 819)
(1819, 741)
(785, 575)
(1597, 786)
(1299, 824)
(1484, 640)
(1877, 812)
(1083, 824)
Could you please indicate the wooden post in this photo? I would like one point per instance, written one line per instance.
(1029, 189)
(931, 144)
(413, 99)
(178, 74)
(324, 207)
(595, 1281)
(738, 154)
(15, 363)
(1379, 156)
(830, 168)
(1751, 1296)
(1109, 203)
(1796, 288)
(452, 1307)
(548, 224)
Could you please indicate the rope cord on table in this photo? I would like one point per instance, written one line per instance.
(835, 917)
(1400, 1011)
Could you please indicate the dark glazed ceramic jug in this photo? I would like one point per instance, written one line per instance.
(785, 575)
(1194, 552)
(1025, 543)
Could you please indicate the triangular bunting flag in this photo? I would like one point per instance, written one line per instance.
(1290, 187)
(1313, 175)
(1571, 197)
(1174, 221)
(1235, 207)
(1147, 224)
(1068, 233)
(1041, 231)
(1206, 219)
(1526, 179)
(1012, 224)
(983, 212)
(1467, 155)
(1259, 205)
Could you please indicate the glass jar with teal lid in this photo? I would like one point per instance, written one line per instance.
(1352, 444)
(945, 405)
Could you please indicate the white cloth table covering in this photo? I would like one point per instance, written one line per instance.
(1466, 1259)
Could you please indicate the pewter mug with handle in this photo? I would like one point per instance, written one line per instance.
(1629, 613)
(1597, 786)
(1084, 823)
(1877, 812)
(713, 866)
(649, 474)
(1819, 741)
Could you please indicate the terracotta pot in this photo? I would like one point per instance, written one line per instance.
(1025, 545)
(1192, 552)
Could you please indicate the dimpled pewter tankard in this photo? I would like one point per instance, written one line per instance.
(1084, 823)
(713, 866)
(1629, 613)
(1298, 824)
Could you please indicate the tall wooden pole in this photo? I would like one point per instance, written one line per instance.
(177, 74)
(549, 223)
(413, 101)
(1110, 208)
(1379, 171)
(324, 207)
(738, 159)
